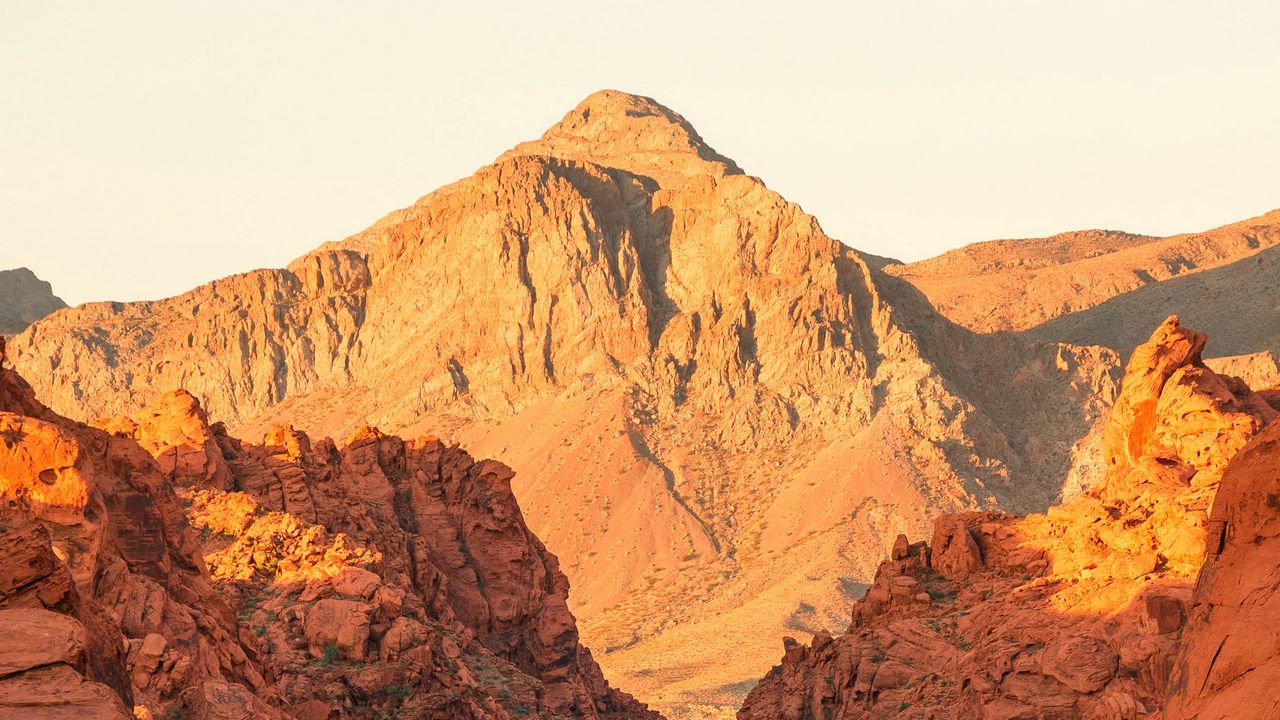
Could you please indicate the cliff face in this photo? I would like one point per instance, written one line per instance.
(24, 298)
(1229, 662)
(160, 565)
(1074, 613)
(719, 416)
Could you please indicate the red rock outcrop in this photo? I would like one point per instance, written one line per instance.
(1228, 665)
(1072, 614)
(62, 655)
(161, 566)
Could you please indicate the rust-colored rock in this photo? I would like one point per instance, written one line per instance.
(216, 700)
(1077, 613)
(1229, 663)
(58, 693)
(61, 655)
(955, 553)
(34, 638)
(162, 570)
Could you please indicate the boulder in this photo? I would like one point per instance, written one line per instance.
(339, 624)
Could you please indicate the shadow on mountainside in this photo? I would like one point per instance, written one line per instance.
(1237, 301)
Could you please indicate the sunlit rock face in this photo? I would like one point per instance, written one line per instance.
(718, 416)
(1077, 612)
(158, 567)
(1229, 662)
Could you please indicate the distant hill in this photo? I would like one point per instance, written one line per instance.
(1239, 300)
(24, 298)
(1022, 284)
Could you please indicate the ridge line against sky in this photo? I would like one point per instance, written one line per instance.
(153, 146)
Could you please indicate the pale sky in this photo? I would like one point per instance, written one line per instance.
(147, 147)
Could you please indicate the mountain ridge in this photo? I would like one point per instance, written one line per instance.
(735, 413)
(1022, 285)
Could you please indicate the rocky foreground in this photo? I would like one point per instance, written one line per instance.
(158, 567)
(1092, 610)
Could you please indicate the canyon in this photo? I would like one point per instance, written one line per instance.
(717, 417)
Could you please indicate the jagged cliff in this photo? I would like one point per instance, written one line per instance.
(719, 416)
(1077, 613)
(160, 567)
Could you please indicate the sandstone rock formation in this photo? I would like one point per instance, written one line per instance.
(159, 567)
(719, 416)
(62, 655)
(1229, 662)
(1020, 284)
(24, 298)
(1075, 613)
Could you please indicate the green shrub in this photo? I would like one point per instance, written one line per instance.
(329, 656)
(400, 691)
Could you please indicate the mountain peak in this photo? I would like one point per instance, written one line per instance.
(633, 133)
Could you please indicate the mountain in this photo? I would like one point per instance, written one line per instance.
(1241, 301)
(718, 416)
(158, 567)
(1102, 287)
(1084, 611)
(24, 298)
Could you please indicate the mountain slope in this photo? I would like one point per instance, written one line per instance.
(1241, 301)
(24, 298)
(719, 416)
(1021, 284)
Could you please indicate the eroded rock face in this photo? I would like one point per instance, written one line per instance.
(1229, 662)
(171, 570)
(1076, 613)
(62, 655)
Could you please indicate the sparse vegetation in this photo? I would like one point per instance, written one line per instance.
(329, 656)
(399, 691)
